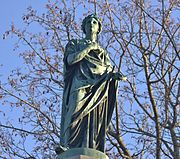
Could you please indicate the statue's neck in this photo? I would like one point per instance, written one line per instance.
(91, 37)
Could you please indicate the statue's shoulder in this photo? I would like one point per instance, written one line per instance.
(73, 45)
(73, 42)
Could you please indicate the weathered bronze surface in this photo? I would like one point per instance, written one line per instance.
(82, 153)
(90, 90)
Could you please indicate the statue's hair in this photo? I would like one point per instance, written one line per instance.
(91, 16)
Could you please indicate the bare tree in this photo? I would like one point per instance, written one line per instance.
(142, 40)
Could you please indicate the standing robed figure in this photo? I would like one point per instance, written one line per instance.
(89, 94)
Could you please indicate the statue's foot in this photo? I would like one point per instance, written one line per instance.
(60, 149)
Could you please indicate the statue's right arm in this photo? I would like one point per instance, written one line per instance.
(73, 55)
(78, 55)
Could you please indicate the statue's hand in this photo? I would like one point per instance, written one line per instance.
(100, 48)
(93, 46)
(119, 76)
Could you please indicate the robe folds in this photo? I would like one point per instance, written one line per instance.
(89, 98)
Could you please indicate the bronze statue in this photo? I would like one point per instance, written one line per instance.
(89, 92)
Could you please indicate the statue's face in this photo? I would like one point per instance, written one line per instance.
(91, 26)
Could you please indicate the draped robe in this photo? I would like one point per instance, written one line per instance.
(89, 98)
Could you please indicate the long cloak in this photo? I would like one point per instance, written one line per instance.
(89, 98)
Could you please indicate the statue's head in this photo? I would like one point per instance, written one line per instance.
(87, 19)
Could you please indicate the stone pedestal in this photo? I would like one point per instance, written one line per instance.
(82, 153)
(82, 157)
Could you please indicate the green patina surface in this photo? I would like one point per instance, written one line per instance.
(90, 84)
(82, 151)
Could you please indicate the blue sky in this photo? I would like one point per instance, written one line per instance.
(11, 11)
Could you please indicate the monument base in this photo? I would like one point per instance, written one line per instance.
(82, 153)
